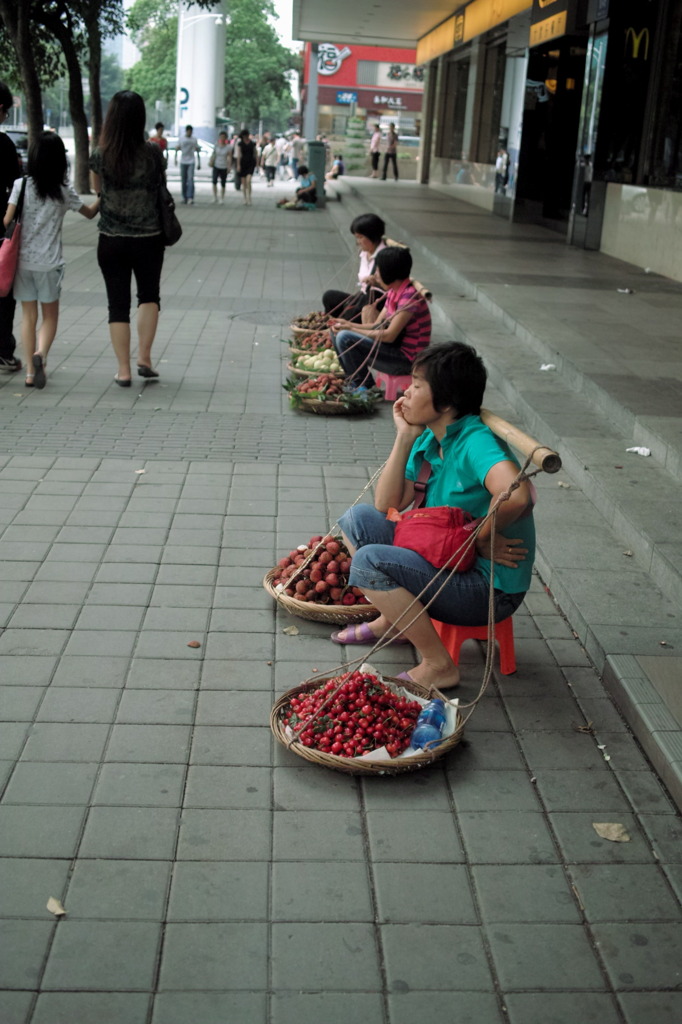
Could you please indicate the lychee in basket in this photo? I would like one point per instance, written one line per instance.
(366, 764)
(334, 614)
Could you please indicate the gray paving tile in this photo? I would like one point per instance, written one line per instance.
(26, 670)
(654, 1006)
(91, 1008)
(238, 745)
(168, 707)
(140, 785)
(561, 750)
(27, 883)
(111, 617)
(25, 945)
(561, 1008)
(320, 894)
(665, 833)
(475, 790)
(115, 642)
(247, 707)
(228, 786)
(102, 955)
(425, 790)
(236, 675)
(576, 789)
(542, 956)
(164, 673)
(91, 671)
(209, 1007)
(240, 647)
(400, 837)
(318, 835)
(19, 703)
(524, 893)
(219, 891)
(624, 892)
(165, 744)
(487, 750)
(428, 893)
(110, 889)
(580, 844)
(79, 704)
(16, 1007)
(52, 783)
(302, 789)
(641, 955)
(65, 741)
(433, 970)
(33, 642)
(222, 957)
(186, 575)
(181, 596)
(44, 616)
(130, 833)
(437, 1007)
(127, 572)
(47, 592)
(13, 737)
(215, 834)
(324, 957)
(180, 620)
(120, 594)
(333, 1008)
(154, 643)
(507, 837)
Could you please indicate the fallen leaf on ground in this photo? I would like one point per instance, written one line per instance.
(561, 483)
(291, 630)
(55, 907)
(611, 830)
(194, 643)
(138, 471)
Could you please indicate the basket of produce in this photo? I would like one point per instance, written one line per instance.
(312, 364)
(315, 321)
(312, 582)
(311, 341)
(362, 723)
(327, 395)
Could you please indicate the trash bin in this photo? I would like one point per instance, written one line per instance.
(317, 158)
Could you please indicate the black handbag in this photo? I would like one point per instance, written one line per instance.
(171, 228)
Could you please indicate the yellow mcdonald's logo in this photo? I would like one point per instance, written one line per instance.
(545, 3)
(636, 39)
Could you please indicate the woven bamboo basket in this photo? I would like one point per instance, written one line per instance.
(364, 765)
(295, 351)
(299, 332)
(334, 614)
(336, 408)
(310, 373)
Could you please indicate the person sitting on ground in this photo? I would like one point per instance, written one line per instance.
(337, 169)
(306, 193)
(369, 231)
(391, 340)
(438, 421)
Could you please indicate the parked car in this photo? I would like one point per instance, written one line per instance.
(19, 137)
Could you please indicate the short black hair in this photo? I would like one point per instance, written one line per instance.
(6, 98)
(302, 169)
(369, 225)
(159, 124)
(456, 375)
(394, 263)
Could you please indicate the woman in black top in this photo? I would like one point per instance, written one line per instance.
(246, 163)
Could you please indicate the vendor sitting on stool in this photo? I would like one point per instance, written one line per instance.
(390, 340)
(438, 421)
(368, 231)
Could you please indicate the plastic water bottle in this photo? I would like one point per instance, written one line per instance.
(430, 724)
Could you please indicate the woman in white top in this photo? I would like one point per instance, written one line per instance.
(47, 197)
(369, 234)
(220, 156)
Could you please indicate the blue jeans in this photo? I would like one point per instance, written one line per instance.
(378, 565)
(354, 349)
(187, 180)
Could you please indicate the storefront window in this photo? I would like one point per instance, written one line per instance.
(450, 142)
(666, 151)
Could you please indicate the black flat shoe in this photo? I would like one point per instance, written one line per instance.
(38, 371)
(146, 371)
(123, 383)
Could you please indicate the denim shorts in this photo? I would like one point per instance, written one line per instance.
(38, 285)
(378, 565)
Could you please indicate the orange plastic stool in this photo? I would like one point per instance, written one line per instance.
(393, 386)
(454, 636)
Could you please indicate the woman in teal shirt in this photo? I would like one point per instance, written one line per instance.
(438, 420)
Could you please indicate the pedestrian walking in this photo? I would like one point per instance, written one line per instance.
(375, 150)
(391, 154)
(218, 162)
(269, 160)
(10, 169)
(47, 197)
(296, 151)
(189, 147)
(160, 139)
(246, 163)
(127, 172)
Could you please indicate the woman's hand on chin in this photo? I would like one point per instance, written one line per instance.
(403, 425)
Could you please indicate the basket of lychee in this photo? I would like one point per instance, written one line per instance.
(311, 343)
(312, 582)
(315, 321)
(360, 723)
(328, 395)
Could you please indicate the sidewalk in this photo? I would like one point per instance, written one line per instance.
(209, 876)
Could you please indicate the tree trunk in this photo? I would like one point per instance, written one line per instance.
(16, 19)
(64, 35)
(94, 71)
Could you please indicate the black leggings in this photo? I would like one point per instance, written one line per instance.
(120, 257)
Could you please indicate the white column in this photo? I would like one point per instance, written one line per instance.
(200, 78)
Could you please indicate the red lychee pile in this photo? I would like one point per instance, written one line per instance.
(314, 342)
(363, 715)
(324, 576)
(312, 321)
(328, 383)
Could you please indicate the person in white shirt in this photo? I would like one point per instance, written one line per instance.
(269, 160)
(47, 197)
(189, 147)
(375, 150)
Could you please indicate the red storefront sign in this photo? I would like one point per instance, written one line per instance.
(383, 77)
